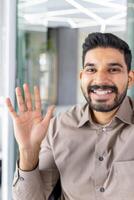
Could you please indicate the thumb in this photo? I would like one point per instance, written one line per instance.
(48, 116)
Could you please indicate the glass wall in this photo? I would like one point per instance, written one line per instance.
(36, 53)
(36, 61)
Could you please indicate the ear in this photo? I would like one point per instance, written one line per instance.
(131, 78)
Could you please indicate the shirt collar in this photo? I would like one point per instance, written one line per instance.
(125, 113)
(86, 116)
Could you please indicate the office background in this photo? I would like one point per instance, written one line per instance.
(40, 43)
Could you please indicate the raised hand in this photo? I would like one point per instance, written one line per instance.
(29, 125)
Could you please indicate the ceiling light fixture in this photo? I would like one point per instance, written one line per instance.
(85, 11)
(116, 17)
(62, 12)
(107, 4)
(72, 23)
(103, 28)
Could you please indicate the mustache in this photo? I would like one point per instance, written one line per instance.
(113, 88)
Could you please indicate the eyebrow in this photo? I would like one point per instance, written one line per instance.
(112, 64)
(115, 64)
(89, 64)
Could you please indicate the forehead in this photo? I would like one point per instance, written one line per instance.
(104, 54)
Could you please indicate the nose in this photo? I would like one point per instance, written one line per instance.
(101, 77)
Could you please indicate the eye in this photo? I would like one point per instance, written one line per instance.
(114, 70)
(90, 69)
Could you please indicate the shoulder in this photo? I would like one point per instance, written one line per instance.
(131, 101)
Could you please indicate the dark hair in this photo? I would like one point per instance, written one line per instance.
(97, 39)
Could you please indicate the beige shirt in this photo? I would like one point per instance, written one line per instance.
(94, 162)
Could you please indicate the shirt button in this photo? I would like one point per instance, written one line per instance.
(21, 178)
(104, 129)
(101, 158)
(102, 189)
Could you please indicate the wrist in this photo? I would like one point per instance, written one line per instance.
(28, 159)
(26, 168)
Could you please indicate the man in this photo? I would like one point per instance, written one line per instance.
(90, 147)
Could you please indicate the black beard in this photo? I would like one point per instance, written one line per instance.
(102, 106)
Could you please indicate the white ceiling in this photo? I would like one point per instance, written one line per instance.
(73, 13)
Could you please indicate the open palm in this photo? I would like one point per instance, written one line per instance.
(29, 126)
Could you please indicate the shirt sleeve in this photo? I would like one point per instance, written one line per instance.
(38, 183)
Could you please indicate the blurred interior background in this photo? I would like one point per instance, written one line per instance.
(40, 44)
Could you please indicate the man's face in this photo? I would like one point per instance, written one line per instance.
(104, 79)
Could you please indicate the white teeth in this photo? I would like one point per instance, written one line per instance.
(102, 92)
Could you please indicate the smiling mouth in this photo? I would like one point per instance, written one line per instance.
(101, 92)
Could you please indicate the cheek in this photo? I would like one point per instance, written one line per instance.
(85, 79)
(122, 83)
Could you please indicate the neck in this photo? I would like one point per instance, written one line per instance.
(103, 118)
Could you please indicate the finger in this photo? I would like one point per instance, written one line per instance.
(48, 116)
(28, 100)
(20, 101)
(37, 98)
(10, 108)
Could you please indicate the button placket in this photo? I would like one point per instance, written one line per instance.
(100, 173)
